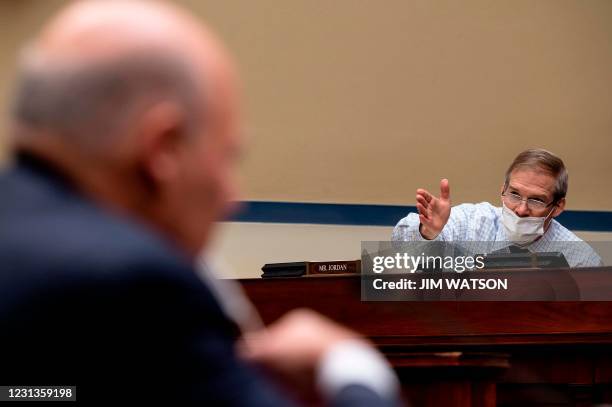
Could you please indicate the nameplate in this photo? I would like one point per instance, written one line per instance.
(333, 267)
(311, 268)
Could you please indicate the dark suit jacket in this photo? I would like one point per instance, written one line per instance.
(88, 298)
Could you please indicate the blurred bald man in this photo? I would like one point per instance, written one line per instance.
(126, 133)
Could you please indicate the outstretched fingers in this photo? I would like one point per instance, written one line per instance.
(425, 194)
(421, 200)
(424, 212)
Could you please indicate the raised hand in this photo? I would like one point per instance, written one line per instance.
(433, 211)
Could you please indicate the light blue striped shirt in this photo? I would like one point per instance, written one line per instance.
(482, 222)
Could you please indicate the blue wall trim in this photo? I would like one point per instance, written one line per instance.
(381, 215)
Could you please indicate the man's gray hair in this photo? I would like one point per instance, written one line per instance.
(543, 160)
(90, 103)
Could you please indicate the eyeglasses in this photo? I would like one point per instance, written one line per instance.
(533, 204)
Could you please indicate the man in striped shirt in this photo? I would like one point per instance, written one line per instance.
(533, 195)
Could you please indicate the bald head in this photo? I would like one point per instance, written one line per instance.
(97, 31)
(136, 102)
(96, 56)
(94, 31)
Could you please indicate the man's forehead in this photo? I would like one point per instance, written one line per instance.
(532, 181)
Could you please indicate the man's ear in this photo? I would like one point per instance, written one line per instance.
(559, 208)
(160, 136)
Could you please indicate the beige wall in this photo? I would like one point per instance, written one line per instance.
(363, 101)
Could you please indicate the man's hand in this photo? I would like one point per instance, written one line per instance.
(433, 212)
(295, 344)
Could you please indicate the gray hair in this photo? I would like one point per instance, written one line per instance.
(91, 103)
(540, 159)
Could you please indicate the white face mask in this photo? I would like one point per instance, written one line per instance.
(523, 231)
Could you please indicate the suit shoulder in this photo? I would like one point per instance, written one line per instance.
(47, 228)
